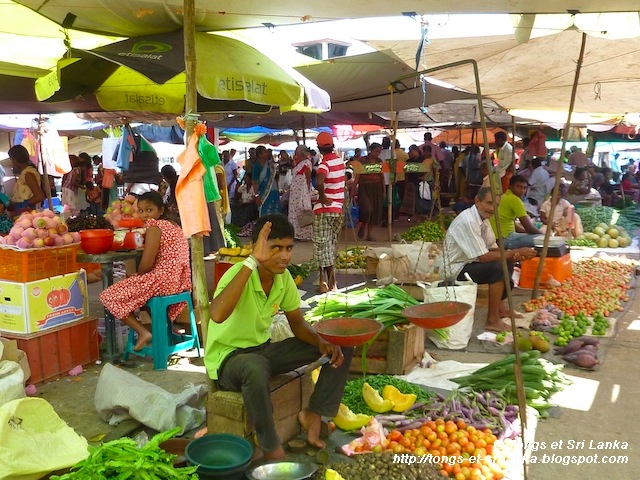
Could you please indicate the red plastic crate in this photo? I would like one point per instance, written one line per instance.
(559, 268)
(52, 353)
(36, 264)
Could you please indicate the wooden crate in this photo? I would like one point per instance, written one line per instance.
(289, 394)
(394, 352)
(53, 352)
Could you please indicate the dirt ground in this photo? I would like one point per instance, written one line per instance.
(598, 407)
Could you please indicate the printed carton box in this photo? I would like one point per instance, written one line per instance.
(35, 306)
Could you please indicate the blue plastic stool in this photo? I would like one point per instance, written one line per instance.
(164, 341)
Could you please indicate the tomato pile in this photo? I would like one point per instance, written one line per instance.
(596, 286)
(475, 448)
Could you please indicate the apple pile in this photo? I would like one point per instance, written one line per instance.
(119, 209)
(39, 229)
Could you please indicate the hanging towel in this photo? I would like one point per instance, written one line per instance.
(210, 158)
(190, 196)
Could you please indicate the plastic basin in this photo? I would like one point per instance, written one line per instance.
(219, 456)
(96, 241)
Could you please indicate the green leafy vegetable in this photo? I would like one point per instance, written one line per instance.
(123, 459)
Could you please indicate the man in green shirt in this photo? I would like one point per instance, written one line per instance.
(511, 207)
(239, 353)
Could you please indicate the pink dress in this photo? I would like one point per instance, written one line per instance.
(170, 274)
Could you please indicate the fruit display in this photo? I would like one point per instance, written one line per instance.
(428, 231)
(243, 251)
(597, 285)
(38, 230)
(352, 258)
(88, 222)
(534, 340)
(119, 209)
(607, 236)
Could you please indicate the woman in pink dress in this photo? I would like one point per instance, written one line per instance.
(164, 269)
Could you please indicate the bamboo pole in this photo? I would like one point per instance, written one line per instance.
(556, 185)
(397, 84)
(198, 276)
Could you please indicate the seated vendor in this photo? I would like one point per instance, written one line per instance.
(565, 221)
(471, 248)
(239, 354)
(580, 189)
(512, 208)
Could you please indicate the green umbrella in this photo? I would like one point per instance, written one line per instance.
(147, 74)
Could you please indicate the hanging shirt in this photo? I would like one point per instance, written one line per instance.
(190, 191)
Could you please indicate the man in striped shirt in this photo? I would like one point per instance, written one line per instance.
(470, 247)
(328, 213)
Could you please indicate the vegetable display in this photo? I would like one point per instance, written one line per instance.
(541, 379)
(351, 258)
(383, 304)
(596, 286)
(428, 231)
(353, 391)
(123, 458)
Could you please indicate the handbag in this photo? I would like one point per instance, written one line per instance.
(305, 218)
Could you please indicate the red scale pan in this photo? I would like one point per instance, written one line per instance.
(437, 314)
(348, 332)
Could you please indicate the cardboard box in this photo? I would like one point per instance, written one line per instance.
(394, 352)
(53, 352)
(35, 306)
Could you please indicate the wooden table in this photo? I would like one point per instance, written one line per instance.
(106, 260)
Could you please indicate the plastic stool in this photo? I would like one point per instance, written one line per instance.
(164, 341)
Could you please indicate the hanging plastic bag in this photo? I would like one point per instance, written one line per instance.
(35, 441)
(463, 291)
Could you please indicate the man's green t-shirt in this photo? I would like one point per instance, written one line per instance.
(510, 208)
(248, 325)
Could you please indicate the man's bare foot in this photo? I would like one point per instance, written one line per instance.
(201, 433)
(311, 423)
(278, 454)
(504, 313)
(497, 326)
(143, 339)
(323, 287)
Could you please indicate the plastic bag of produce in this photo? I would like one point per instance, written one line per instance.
(463, 291)
(35, 441)
(11, 381)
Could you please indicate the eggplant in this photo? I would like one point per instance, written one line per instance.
(582, 359)
(573, 346)
(588, 340)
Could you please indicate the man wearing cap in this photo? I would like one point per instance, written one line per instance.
(328, 213)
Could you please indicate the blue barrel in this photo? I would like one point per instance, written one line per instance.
(352, 216)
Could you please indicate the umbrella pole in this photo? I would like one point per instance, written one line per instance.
(556, 185)
(199, 280)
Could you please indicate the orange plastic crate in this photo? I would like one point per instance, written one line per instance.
(559, 268)
(36, 264)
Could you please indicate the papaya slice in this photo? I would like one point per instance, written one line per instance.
(347, 420)
(401, 401)
(374, 400)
